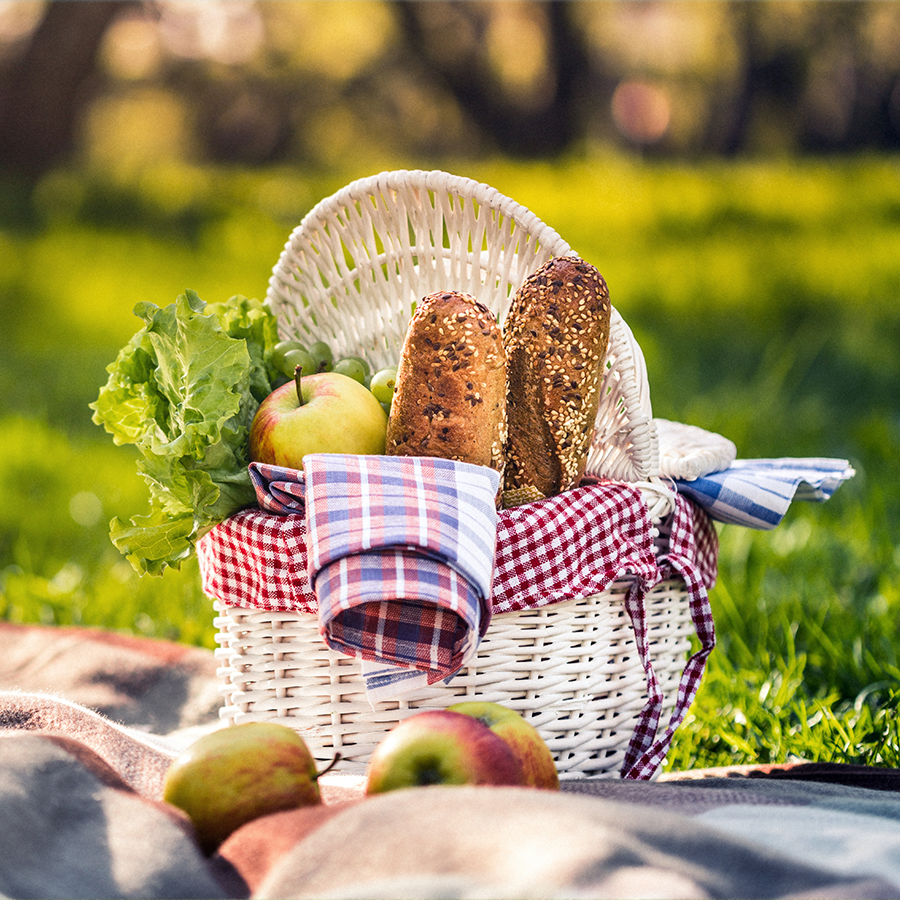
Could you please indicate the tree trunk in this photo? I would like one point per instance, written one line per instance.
(43, 90)
(519, 132)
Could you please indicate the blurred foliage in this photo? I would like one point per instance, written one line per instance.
(57, 565)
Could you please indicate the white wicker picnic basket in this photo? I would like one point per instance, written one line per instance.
(350, 274)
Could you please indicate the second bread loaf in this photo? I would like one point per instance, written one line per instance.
(556, 336)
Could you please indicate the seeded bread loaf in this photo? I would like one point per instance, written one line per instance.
(450, 394)
(556, 336)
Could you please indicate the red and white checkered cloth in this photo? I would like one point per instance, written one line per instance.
(565, 547)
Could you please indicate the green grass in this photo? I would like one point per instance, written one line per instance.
(764, 296)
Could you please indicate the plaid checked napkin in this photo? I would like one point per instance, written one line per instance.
(400, 555)
(757, 493)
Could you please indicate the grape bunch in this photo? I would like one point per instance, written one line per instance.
(318, 357)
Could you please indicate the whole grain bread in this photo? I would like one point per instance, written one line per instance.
(450, 393)
(556, 335)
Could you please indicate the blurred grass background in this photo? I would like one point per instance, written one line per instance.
(731, 169)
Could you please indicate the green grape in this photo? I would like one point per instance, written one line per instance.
(352, 367)
(366, 367)
(383, 382)
(302, 358)
(322, 356)
(281, 349)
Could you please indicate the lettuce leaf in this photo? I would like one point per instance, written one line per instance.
(184, 391)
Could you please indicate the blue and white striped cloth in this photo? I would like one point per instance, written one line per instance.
(757, 493)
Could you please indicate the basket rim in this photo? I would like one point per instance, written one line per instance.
(438, 180)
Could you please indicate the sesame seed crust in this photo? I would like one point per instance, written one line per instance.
(450, 394)
(556, 336)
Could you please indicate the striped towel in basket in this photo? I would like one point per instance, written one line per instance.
(757, 493)
(400, 554)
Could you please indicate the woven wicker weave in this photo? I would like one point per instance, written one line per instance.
(689, 452)
(350, 274)
(572, 669)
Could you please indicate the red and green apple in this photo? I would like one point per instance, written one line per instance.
(321, 413)
(520, 735)
(436, 746)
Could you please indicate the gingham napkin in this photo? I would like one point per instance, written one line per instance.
(400, 555)
(757, 493)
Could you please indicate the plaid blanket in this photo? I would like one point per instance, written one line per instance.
(81, 817)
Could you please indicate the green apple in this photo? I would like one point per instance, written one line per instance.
(441, 747)
(520, 735)
(322, 413)
(236, 774)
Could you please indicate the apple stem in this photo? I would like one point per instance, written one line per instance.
(328, 768)
(298, 375)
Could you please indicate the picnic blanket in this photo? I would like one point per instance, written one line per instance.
(82, 762)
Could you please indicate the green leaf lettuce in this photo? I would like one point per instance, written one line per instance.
(184, 391)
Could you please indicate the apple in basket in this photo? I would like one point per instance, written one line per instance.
(236, 774)
(437, 746)
(325, 412)
(522, 737)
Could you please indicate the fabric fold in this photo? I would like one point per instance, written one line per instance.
(757, 493)
(279, 490)
(400, 555)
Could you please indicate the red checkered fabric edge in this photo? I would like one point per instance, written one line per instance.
(569, 546)
(258, 560)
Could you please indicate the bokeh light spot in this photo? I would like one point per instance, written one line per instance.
(641, 111)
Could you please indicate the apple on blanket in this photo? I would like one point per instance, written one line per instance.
(472, 742)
